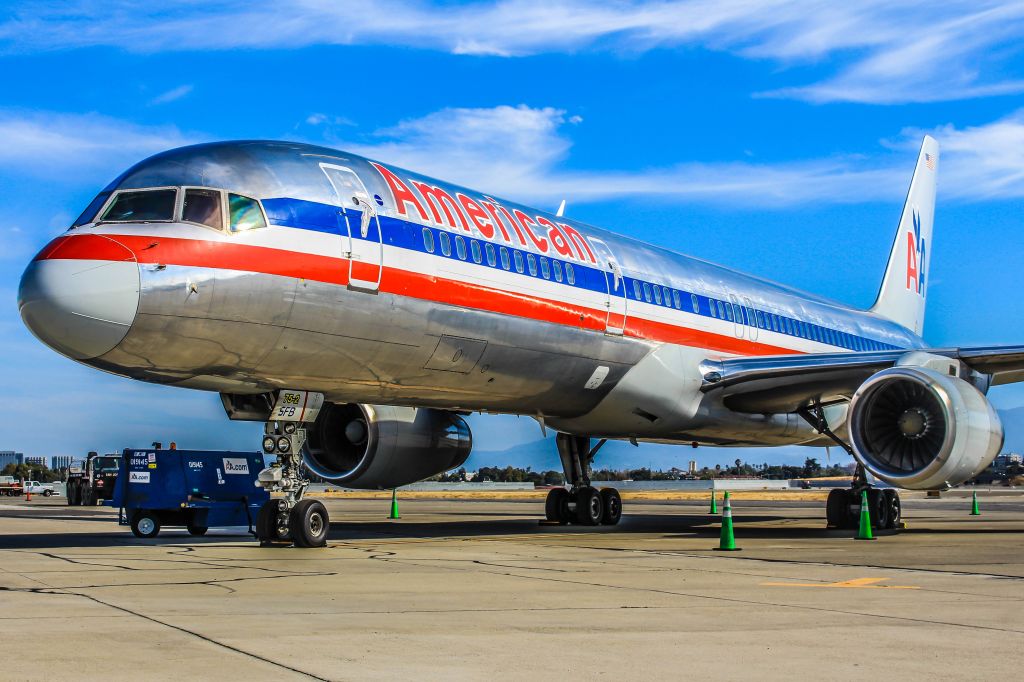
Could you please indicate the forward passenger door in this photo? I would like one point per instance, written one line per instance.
(363, 241)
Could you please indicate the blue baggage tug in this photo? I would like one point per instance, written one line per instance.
(192, 488)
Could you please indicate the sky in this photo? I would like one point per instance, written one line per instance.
(777, 137)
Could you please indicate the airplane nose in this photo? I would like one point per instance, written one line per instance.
(81, 307)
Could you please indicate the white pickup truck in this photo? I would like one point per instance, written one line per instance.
(37, 488)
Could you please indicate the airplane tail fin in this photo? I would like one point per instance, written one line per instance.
(902, 296)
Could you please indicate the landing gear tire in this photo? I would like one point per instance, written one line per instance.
(878, 509)
(145, 524)
(891, 500)
(611, 506)
(555, 506)
(836, 508)
(308, 524)
(268, 531)
(588, 506)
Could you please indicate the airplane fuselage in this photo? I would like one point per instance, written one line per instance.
(372, 284)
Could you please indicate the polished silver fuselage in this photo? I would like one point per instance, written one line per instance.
(235, 313)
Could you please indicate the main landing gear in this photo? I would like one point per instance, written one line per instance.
(291, 519)
(842, 509)
(581, 503)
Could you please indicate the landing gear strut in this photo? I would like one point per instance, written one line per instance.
(842, 510)
(290, 519)
(581, 503)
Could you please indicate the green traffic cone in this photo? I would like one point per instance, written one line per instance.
(864, 531)
(394, 505)
(727, 543)
(714, 504)
(974, 504)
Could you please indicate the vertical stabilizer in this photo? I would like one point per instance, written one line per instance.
(902, 296)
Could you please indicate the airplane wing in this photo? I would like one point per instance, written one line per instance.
(778, 384)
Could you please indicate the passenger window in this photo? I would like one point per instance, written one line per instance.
(142, 206)
(446, 243)
(428, 240)
(728, 312)
(676, 300)
(557, 267)
(647, 292)
(245, 213)
(636, 289)
(460, 247)
(570, 274)
(721, 309)
(491, 260)
(504, 258)
(695, 303)
(711, 305)
(657, 294)
(202, 206)
(519, 262)
(532, 262)
(92, 209)
(545, 268)
(477, 255)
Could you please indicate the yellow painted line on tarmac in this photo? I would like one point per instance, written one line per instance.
(856, 583)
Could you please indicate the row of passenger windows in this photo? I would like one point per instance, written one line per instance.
(547, 267)
(734, 312)
(199, 205)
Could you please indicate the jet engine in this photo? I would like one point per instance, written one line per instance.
(916, 428)
(379, 446)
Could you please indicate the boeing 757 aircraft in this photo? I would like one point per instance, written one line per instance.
(360, 310)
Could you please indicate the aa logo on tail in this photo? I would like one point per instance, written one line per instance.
(915, 257)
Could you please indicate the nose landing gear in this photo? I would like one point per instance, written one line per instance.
(581, 503)
(290, 519)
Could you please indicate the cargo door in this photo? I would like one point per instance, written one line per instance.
(360, 226)
(615, 285)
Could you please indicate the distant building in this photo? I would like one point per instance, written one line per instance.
(1003, 461)
(10, 457)
(58, 462)
(35, 460)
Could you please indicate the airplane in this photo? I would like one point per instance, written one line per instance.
(361, 310)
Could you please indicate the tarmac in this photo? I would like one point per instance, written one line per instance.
(478, 589)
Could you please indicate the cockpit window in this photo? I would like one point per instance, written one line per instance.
(92, 209)
(141, 206)
(245, 213)
(202, 206)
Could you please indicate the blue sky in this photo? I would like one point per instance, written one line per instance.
(777, 137)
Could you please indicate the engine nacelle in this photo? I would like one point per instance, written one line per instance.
(379, 446)
(916, 428)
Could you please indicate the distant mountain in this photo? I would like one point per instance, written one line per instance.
(1013, 425)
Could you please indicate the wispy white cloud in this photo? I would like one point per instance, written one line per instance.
(874, 50)
(63, 146)
(521, 152)
(172, 94)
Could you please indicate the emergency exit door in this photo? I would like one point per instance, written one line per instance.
(360, 226)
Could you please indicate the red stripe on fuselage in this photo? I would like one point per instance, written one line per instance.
(331, 270)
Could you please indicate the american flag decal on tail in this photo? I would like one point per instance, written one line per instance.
(929, 160)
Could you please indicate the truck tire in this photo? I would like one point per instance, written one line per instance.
(196, 530)
(145, 524)
(308, 524)
(47, 492)
(69, 493)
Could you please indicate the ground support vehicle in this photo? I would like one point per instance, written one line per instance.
(10, 486)
(192, 488)
(37, 488)
(94, 482)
